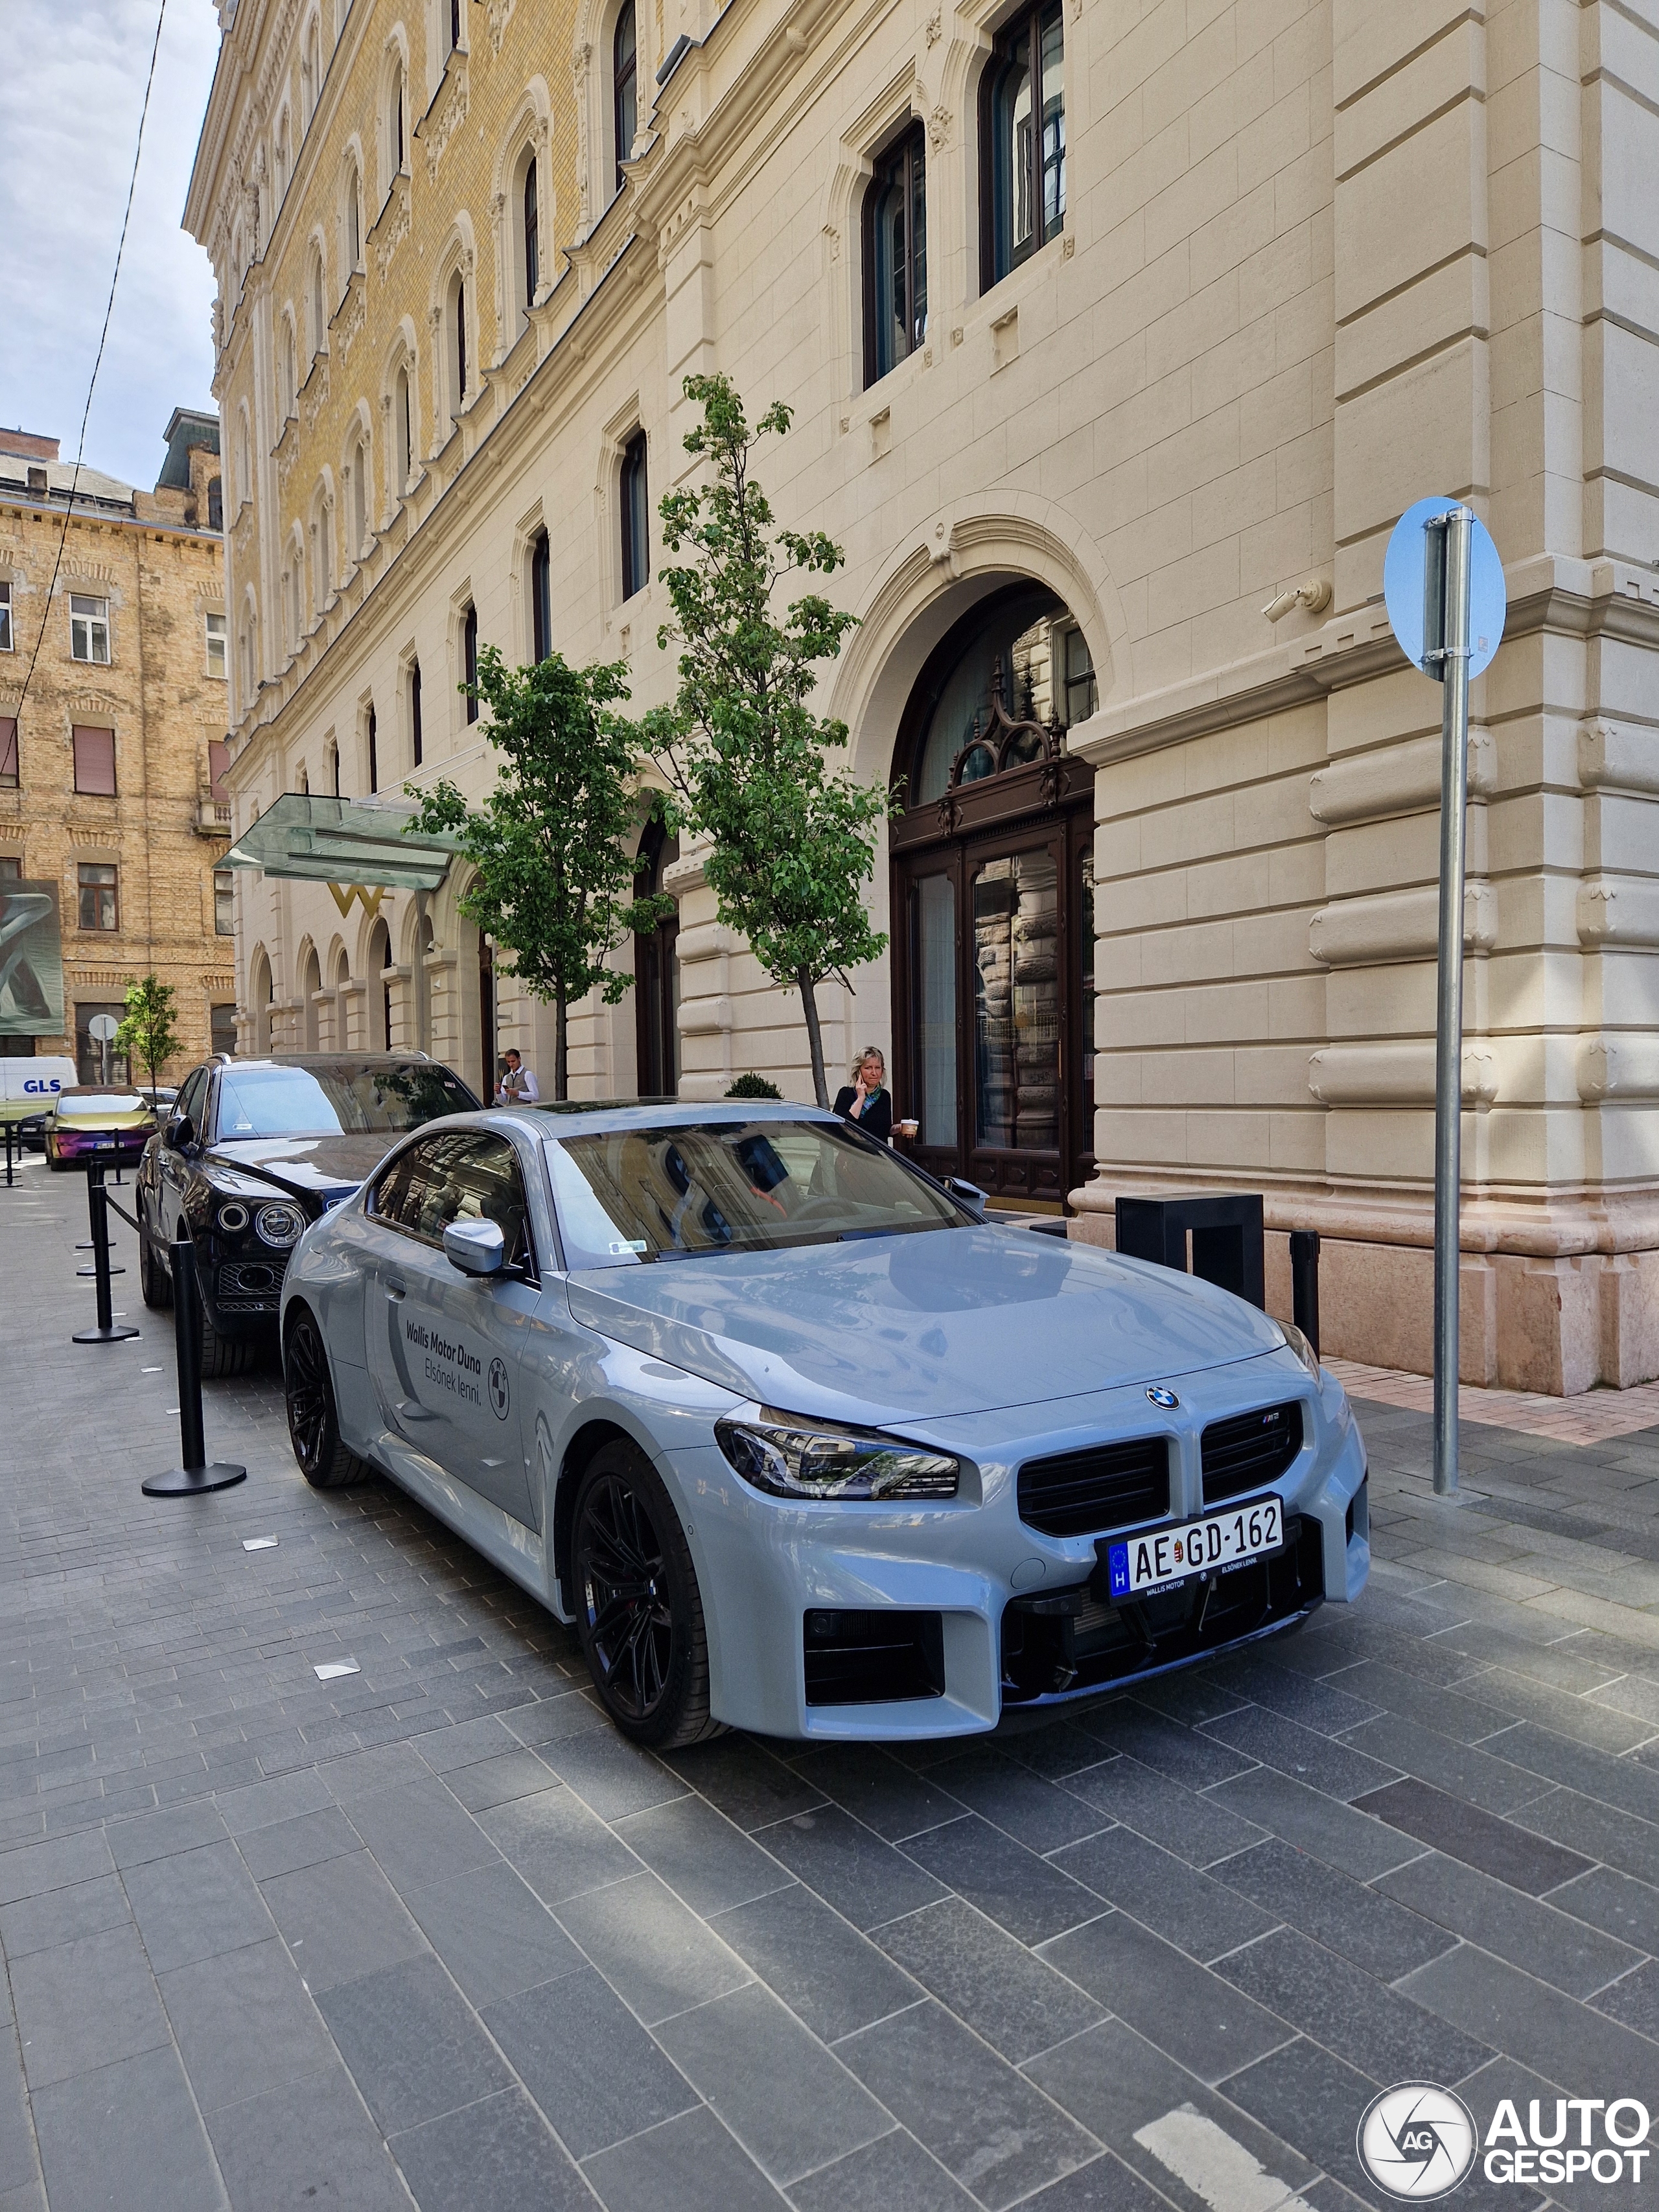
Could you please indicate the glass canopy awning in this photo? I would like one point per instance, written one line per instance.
(343, 841)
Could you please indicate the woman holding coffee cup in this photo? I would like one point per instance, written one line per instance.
(867, 1102)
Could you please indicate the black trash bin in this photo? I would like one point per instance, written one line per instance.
(1225, 1228)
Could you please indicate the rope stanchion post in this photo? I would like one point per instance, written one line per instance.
(98, 1207)
(11, 1131)
(1304, 1283)
(194, 1475)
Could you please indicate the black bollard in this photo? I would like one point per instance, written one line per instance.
(11, 1131)
(1304, 1283)
(194, 1474)
(98, 1207)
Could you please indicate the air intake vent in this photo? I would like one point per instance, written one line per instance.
(1085, 1494)
(1250, 1451)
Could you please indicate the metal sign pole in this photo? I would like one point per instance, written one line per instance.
(1451, 573)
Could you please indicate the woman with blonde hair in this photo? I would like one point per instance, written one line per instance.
(865, 1100)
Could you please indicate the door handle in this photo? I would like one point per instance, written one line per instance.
(394, 1289)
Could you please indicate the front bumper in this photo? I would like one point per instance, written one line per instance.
(925, 1620)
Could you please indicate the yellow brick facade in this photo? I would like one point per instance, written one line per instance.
(151, 557)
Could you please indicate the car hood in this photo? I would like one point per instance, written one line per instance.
(304, 1167)
(916, 1328)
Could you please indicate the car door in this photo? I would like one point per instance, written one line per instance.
(445, 1349)
(172, 1169)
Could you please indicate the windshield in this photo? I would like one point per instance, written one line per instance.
(344, 1099)
(628, 1195)
(70, 1102)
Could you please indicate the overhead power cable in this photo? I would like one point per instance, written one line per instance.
(92, 385)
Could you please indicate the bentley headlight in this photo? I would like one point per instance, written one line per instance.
(792, 1458)
(1299, 1345)
(279, 1226)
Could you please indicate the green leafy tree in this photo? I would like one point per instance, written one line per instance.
(792, 840)
(554, 883)
(147, 1034)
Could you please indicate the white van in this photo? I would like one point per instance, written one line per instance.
(28, 1086)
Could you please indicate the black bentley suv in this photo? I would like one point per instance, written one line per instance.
(253, 1150)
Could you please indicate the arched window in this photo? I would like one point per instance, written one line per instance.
(332, 767)
(359, 497)
(895, 256)
(469, 660)
(635, 518)
(394, 118)
(325, 556)
(457, 339)
(372, 735)
(380, 959)
(286, 368)
(624, 90)
(452, 25)
(311, 990)
(354, 222)
(1023, 142)
(533, 223)
(318, 323)
(279, 156)
(541, 597)
(656, 972)
(404, 427)
(215, 504)
(296, 613)
(309, 75)
(417, 735)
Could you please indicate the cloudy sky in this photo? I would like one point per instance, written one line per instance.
(69, 98)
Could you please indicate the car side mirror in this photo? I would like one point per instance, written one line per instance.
(476, 1248)
(179, 1134)
(967, 1193)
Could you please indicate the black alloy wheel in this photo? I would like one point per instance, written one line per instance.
(313, 1420)
(640, 1611)
(154, 1281)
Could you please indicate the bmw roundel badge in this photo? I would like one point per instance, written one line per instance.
(1161, 1395)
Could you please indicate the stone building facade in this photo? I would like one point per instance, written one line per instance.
(1119, 333)
(112, 732)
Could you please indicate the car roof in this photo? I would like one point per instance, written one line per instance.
(582, 1117)
(99, 1090)
(362, 1059)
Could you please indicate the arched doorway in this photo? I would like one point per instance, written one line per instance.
(261, 991)
(657, 974)
(310, 991)
(993, 902)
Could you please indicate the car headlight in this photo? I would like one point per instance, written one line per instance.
(279, 1226)
(1299, 1345)
(794, 1458)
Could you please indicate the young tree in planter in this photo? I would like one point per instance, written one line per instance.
(793, 840)
(554, 884)
(147, 1032)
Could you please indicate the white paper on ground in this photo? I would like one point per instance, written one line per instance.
(258, 1543)
(333, 1668)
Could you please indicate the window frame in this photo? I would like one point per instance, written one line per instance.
(541, 597)
(1020, 40)
(98, 630)
(371, 733)
(221, 637)
(902, 163)
(470, 661)
(633, 501)
(417, 733)
(11, 755)
(90, 730)
(98, 869)
(530, 232)
(8, 642)
(624, 85)
(224, 901)
(474, 1139)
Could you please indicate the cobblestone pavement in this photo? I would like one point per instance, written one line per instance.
(433, 1932)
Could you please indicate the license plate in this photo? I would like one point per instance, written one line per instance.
(103, 1144)
(1167, 1556)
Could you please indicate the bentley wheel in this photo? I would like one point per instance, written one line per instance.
(640, 1612)
(313, 1420)
(225, 1355)
(154, 1281)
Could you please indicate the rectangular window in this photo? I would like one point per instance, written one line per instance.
(636, 519)
(1023, 142)
(5, 615)
(8, 753)
(94, 761)
(88, 628)
(224, 901)
(222, 1030)
(895, 256)
(416, 736)
(97, 882)
(95, 1062)
(11, 868)
(216, 645)
(470, 662)
(373, 754)
(541, 597)
(1077, 674)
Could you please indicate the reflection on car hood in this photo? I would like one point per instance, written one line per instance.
(307, 1167)
(919, 1326)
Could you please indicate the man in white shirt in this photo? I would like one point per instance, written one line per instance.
(518, 1087)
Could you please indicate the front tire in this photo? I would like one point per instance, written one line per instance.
(154, 1281)
(638, 1609)
(224, 1355)
(313, 1418)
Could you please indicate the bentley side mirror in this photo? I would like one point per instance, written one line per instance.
(179, 1133)
(967, 1194)
(476, 1248)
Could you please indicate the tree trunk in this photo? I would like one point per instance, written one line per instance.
(804, 983)
(561, 1048)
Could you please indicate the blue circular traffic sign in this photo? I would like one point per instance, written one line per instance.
(1403, 586)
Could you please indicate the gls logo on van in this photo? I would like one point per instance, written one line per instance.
(35, 1086)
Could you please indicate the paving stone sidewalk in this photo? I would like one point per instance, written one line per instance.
(431, 1933)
